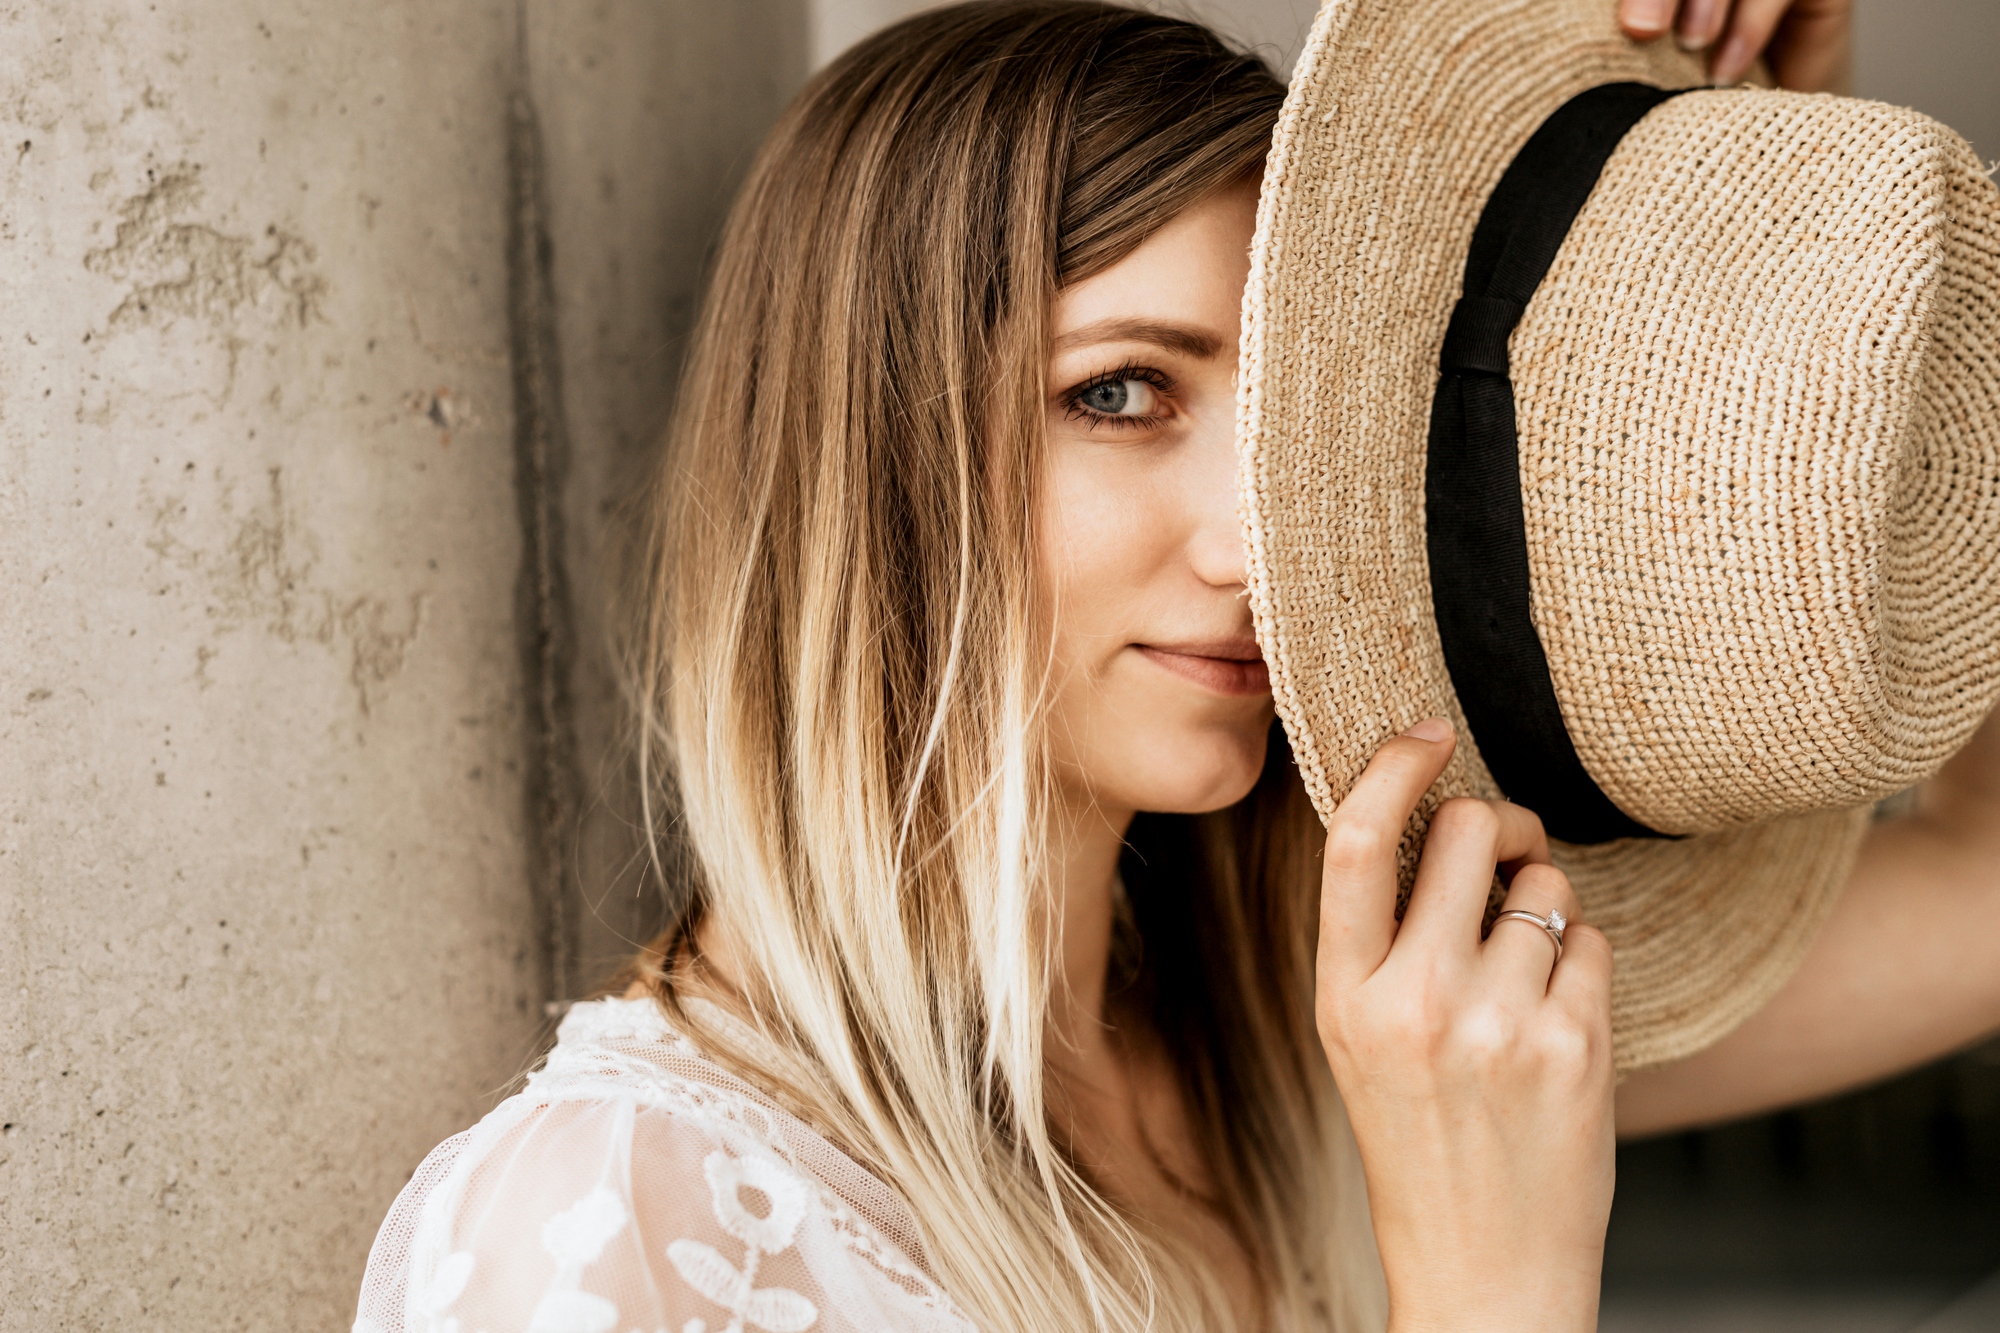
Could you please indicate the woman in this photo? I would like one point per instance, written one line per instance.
(995, 1004)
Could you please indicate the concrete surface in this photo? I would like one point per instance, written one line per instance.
(265, 914)
(279, 670)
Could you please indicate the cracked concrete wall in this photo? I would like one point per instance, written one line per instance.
(268, 881)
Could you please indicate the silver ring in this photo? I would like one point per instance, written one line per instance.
(1552, 925)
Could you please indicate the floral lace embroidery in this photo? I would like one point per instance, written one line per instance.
(596, 1060)
(447, 1285)
(588, 1068)
(574, 1238)
(773, 1309)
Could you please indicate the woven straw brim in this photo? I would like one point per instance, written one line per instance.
(1402, 116)
(1706, 929)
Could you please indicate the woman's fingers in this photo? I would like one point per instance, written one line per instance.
(1358, 884)
(1582, 983)
(1805, 41)
(1521, 953)
(1811, 51)
(1750, 31)
(1468, 840)
(1644, 20)
(1701, 22)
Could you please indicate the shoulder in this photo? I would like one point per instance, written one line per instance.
(631, 1184)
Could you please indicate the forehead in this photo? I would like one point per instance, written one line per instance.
(1190, 273)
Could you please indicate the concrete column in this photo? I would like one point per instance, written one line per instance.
(300, 700)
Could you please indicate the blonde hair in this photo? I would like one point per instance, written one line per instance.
(840, 686)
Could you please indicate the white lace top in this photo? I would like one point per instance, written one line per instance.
(634, 1186)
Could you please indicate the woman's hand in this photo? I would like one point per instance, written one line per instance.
(1478, 1080)
(1807, 42)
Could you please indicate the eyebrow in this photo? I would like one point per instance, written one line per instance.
(1182, 339)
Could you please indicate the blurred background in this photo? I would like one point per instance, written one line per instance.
(330, 338)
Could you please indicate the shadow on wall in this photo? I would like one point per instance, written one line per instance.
(649, 115)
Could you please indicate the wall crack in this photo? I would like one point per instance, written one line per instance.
(544, 615)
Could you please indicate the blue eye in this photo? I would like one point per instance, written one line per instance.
(1120, 398)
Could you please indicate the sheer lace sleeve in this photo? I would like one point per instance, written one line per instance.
(632, 1200)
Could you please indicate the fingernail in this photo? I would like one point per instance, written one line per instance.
(1697, 25)
(1646, 18)
(1431, 729)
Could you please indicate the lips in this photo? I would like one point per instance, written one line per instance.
(1233, 667)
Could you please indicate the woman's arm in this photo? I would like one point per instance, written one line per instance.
(1907, 967)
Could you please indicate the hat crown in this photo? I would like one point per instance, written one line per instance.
(1759, 429)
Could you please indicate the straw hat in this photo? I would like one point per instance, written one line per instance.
(1725, 569)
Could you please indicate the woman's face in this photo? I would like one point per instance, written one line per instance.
(1161, 698)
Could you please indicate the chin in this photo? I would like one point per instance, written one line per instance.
(1194, 772)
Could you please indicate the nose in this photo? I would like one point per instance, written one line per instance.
(1215, 547)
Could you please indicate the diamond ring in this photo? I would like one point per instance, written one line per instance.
(1552, 925)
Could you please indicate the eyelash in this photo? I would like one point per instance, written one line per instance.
(1075, 410)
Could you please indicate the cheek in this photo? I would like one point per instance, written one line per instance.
(1124, 733)
(1099, 547)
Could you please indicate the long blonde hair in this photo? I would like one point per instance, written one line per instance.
(840, 686)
